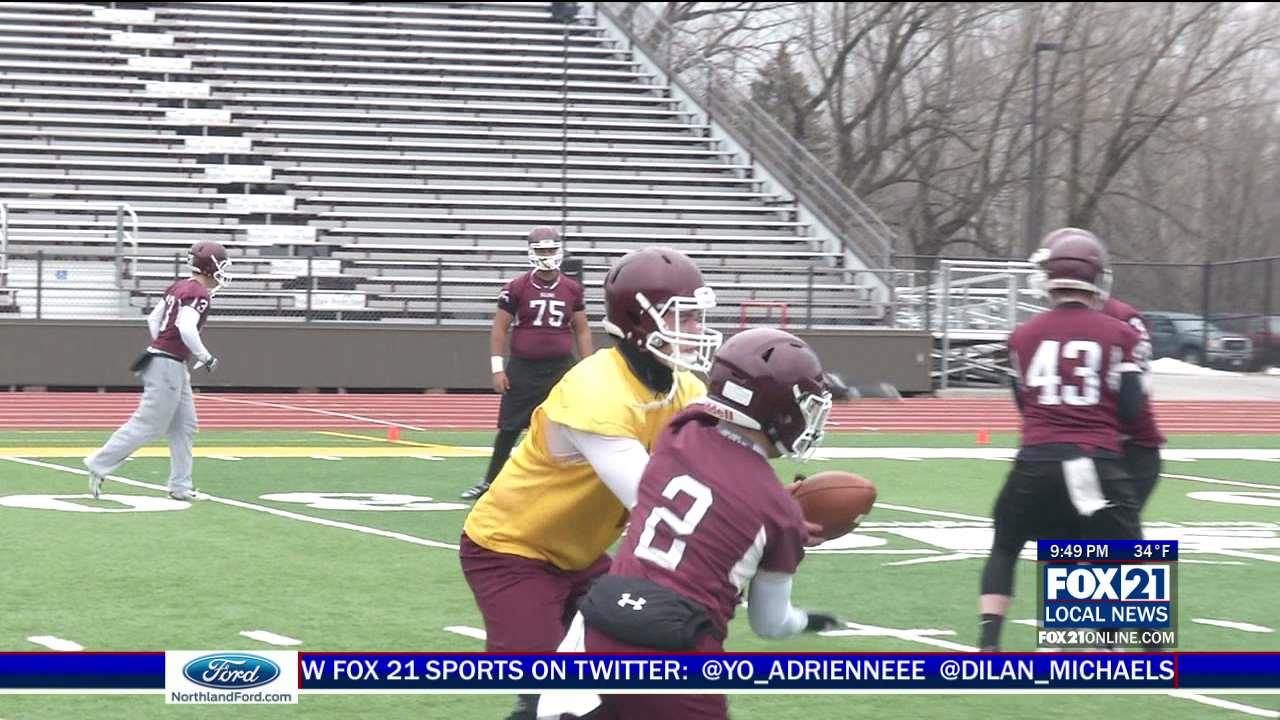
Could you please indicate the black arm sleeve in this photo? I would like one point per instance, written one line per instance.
(1132, 396)
(1017, 396)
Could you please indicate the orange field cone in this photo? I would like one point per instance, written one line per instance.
(984, 437)
(393, 433)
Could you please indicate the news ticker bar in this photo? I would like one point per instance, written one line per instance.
(723, 673)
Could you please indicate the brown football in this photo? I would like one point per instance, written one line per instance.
(836, 500)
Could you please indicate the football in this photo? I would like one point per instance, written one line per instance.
(836, 500)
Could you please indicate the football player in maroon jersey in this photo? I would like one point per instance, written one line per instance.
(1078, 381)
(166, 407)
(712, 523)
(544, 313)
(1142, 437)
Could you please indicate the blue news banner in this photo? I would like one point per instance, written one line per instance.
(690, 673)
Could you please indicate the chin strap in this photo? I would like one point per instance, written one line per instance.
(649, 370)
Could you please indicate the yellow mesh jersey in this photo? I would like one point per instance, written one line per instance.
(558, 510)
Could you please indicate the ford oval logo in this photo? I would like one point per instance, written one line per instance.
(231, 671)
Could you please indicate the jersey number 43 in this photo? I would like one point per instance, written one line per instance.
(1083, 387)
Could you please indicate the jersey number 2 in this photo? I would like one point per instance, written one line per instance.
(1044, 374)
(680, 526)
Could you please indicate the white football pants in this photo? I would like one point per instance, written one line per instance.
(166, 409)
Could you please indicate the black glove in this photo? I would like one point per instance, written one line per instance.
(820, 622)
(210, 364)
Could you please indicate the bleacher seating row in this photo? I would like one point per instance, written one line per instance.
(406, 148)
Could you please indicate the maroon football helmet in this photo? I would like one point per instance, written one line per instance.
(1072, 259)
(545, 237)
(210, 258)
(770, 380)
(649, 296)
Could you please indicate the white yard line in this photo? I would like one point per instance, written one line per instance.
(256, 508)
(934, 513)
(1233, 624)
(1248, 555)
(924, 637)
(467, 631)
(1216, 481)
(315, 411)
(937, 558)
(270, 638)
(871, 631)
(56, 643)
(1226, 704)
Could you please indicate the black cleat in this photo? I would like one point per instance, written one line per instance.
(474, 492)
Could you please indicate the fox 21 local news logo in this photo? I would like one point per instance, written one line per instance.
(1108, 594)
(231, 677)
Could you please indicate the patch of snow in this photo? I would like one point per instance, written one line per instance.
(1173, 366)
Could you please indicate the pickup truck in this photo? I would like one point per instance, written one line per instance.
(1182, 336)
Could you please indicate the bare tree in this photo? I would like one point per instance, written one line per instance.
(728, 35)
(1159, 119)
(1141, 69)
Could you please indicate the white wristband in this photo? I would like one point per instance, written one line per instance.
(495, 362)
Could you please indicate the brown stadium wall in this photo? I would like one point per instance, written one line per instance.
(357, 356)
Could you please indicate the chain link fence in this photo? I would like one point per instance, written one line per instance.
(1221, 313)
(1224, 313)
(87, 284)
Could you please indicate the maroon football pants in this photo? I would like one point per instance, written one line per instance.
(648, 707)
(526, 604)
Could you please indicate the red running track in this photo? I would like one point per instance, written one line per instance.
(37, 411)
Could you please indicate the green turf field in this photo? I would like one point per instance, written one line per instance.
(343, 542)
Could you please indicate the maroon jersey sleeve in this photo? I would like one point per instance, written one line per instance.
(578, 297)
(1130, 316)
(1143, 431)
(509, 297)
(784, 549)
(1129, 342)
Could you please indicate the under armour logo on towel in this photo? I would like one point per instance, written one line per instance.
(626, 601)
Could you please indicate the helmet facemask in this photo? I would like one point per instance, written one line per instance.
(546, 263)
(814, 408)
(670, 342)
(221, 272)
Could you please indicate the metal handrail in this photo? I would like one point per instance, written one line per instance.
(4, 240)
(755, 130)
(123, 234)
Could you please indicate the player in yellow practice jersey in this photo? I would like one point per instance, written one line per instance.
(534, 542)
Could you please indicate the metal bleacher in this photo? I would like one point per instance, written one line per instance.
(381, 162)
